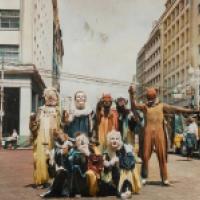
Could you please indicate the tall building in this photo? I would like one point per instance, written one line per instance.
(181, 39)
(179, 29)
(148, 68)
(140, 73)
(26, 55)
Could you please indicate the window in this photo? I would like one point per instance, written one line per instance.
(187, 34)
(199, 8)
(181, 5)
(187, 16)
(177, 10)
(177, 26)
(199, 29)
(9, 19)
(9, 52)
(187, 54)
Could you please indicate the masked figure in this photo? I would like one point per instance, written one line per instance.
(79, 118)
(126, 121)
(106, 119)
(154, 135)
(118, 177)
(87, 164)
(59, 159)
(42, 125)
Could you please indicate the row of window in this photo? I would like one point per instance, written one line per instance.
(174, 30)
(177, 61)
(154, 81)
(153, 56)
(176, 44)
(178, 9)
(9, 19)
(175, 79)
(153, 43)
(9, 53)
(153, 69)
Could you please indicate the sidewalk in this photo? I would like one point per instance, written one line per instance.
(16, 181)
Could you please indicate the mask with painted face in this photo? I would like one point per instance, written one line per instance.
(80, 100)
(107, 103)
(121, 105)
(82, 144)
(51, 96)
(114, 140)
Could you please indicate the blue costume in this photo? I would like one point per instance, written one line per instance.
(80, 121)
(79, 124)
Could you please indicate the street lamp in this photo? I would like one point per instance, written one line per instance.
(194, 80)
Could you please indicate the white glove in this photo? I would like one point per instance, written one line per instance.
(114, 161)
(106, 163)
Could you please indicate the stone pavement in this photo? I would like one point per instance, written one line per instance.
(16, 179)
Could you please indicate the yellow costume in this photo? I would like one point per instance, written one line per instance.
(133, 177)
(48, 120)
(93, 177)
(42, 125)
(105, 126)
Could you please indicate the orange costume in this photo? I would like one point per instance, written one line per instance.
(106, 119)
(154, 135)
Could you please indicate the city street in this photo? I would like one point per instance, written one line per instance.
(16, 179)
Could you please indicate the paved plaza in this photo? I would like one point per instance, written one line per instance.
(16, 181)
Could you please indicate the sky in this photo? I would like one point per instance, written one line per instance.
(102, 37)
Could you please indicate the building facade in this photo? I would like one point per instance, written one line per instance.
(140, 73)
(179, 28)
(26, 55)
(149, 71)
(181, 38)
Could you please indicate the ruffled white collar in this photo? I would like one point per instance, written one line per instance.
(77, 112)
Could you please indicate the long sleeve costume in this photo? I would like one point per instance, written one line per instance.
(105, 123)
(126, 125)
(47, 120)
(154, 135)
(79, 121)
(61, 184)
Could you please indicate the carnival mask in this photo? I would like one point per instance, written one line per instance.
(51, 97)
(121, 104)
(80, 100)
(114, 140)
(107, 100)
(150, 102)
(82, 144)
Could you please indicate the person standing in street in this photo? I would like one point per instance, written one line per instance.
(154, 135)
(191, 136)
(42, 125)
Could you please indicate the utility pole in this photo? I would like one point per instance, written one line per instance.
(1, 101)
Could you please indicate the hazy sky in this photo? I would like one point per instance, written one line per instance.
(102, 37)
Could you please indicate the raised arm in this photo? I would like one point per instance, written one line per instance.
(177, 109)
(134, 104)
